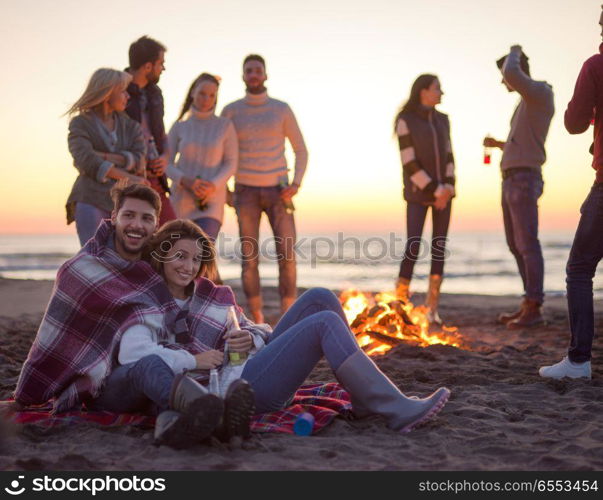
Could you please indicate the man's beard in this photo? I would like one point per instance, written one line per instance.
(153, 79)
(258, 89)
(122, 243)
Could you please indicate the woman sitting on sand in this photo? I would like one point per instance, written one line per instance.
(106, 145)
(428, 173)
(280, 360)
(150, 376)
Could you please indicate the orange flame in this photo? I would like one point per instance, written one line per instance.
(382, 321)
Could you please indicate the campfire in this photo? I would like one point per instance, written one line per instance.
(382, 321)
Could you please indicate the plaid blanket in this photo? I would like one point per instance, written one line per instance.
(97, 296)
(207, 319)
(323, 401)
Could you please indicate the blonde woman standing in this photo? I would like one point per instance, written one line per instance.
(203, 156)
(106, 146)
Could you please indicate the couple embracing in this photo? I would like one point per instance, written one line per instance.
(134, 314)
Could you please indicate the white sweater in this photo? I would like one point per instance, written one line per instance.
(139, 341)
(203, 145)
(262, 124)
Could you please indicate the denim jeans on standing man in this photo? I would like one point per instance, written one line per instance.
(250, 202)
(586, 252)
(520, 194)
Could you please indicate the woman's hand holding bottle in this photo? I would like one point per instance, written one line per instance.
(191, 183)
(238, 341)
(206, 189)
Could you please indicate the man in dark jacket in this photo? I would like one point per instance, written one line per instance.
(587, 250)
(521, 166)
(147, 57)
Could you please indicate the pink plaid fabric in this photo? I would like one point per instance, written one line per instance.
(323, 401)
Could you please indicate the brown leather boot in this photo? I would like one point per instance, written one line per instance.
(432, 299)
(504, 318)
(402, 289)
(531, 316)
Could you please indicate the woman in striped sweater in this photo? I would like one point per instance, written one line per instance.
(203, 156)
(428, 173)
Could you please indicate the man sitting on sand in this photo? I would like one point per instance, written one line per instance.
(587, 249)
(98, 295)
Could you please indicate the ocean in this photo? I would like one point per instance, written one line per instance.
(476, 263)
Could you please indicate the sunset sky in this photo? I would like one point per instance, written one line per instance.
(343, 66)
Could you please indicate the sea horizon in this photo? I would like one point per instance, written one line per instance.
(477, 262)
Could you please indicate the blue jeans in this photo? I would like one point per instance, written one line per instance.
(314, 326)
(415, 220)
(586, 252)
(143, 386)
(87, 219)
(520, 194)
(250, 202)
(210, 226)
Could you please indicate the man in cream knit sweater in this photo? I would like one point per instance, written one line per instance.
(262, 183)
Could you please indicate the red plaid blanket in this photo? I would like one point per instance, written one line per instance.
(323, 401)
(97, 296)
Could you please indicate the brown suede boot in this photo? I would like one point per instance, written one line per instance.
(402, 289)
(531, 316)
(504, 318)
(432, 299)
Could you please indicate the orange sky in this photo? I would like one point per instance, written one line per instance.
(344, 66)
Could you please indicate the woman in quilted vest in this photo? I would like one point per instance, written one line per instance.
(429, 179)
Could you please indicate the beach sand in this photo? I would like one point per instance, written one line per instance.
(501, 415)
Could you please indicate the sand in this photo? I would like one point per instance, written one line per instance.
(501, 416)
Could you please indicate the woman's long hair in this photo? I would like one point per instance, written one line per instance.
(414, 100)
(188, 101)
(162, 242)
(102, 82)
